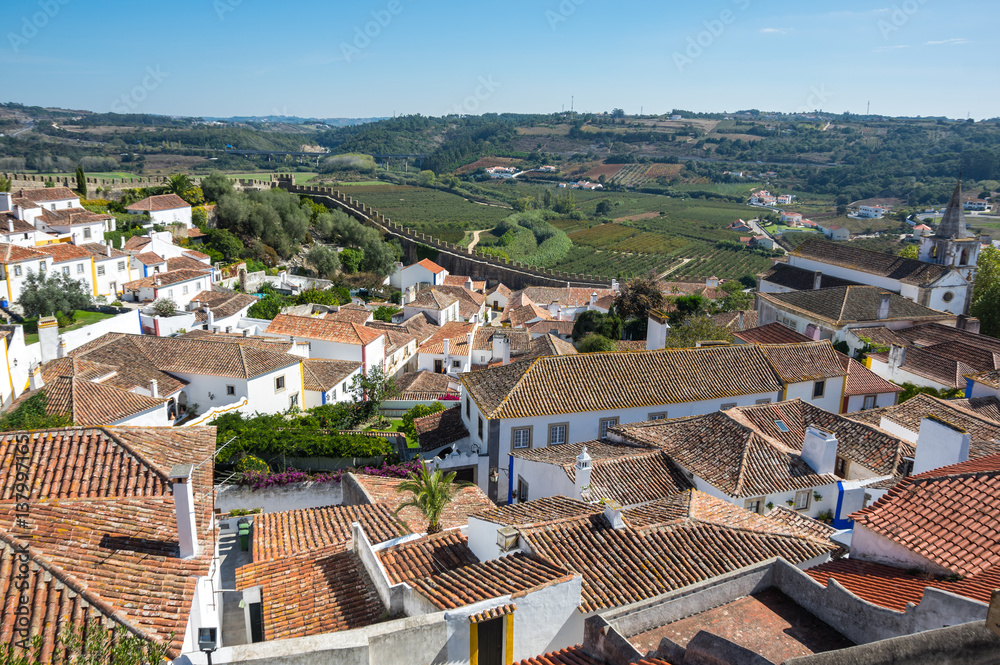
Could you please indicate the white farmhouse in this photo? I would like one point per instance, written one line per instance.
(164, 209)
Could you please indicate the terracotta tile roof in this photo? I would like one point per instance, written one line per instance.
(493, 613)
(425, 385)
(772, 333)
(419, 327)
(131, 368)
(430, 265)
(271, 343)
(397, 339)
(614, 381)
(462, 280)
(467, 500)
(514, 575)
(136, 243)
(538, 511)
(731, 320)
(9, 224)
(320, 374)
(161, 279)
(569, 656)
(627, 474)
(440, 429)
(520, 340)
(93, 404)
(64, 251)
(285, 534)
(193, 253)
(187, 263)
(908, 271)
(800, 279)
(562, 328)
(893, 588)
(930, 364)
(222, 304)
(322, 329)
(947, 516)
(103, 539)
(456, 332)
(622, 566)
(17, 254)
(427, 555)
(800, 524)
(567, 297)
(985, 407)
(519, 316)
(71, 216)
(158, 203)
(805, 361)
(100, 251)
(630, 345)
(432, 299)
(500, 288)
(881, 336)
(312, 593)
(931, 334)
(549, 345)
(470, 303)
(863, 381)
(358, 316)
(184, 354)
(45, 194)
(852, 304)
(148, 258)
(989, 378)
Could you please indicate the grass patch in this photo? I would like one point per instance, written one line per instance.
(80, 320)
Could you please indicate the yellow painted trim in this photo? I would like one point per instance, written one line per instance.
(8, 273)
(473, 644)
(93, 273)
(843, 392)
(302, 380)
(508, 656)
(6, 359)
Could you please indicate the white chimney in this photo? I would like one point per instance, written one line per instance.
(61, 351)
(883, 305)
(817, 279)
(35, 381)
(819, 450)
(468, 340)
(897, 357)
(582, 480)
(712, 282)
(107, 249)
(48, 338)
(10, 225)
(6, 201)
(657, 330)
(210, 317)
(501, 348)
(446, 347)
(613, 514)
(154, 388)
(187, 528)
(593, 298)
(940, 443)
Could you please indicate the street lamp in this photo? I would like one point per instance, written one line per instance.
(208, 641)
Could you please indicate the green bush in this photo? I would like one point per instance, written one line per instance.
(251, 463)
(419, 411)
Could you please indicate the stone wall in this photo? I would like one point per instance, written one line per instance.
(456, 259)
(28, 181)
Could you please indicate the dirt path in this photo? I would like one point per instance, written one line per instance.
(475, 238)
(674, 268)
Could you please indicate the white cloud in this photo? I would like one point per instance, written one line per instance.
(883, 49)
(954, 41)
(773, 31)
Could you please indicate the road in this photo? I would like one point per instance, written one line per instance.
(475, 238)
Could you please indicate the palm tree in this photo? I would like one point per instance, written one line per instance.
(431, 492)
(179, 184)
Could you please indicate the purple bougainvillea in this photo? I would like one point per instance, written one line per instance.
(258, 480)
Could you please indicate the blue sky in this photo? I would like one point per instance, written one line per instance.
(306, 58)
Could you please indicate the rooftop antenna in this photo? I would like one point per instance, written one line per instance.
(869, 111)
(572, 101)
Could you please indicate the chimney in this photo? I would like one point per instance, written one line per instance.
(210, 318)
(939, 443)
(582, 479)
(501, 348)
(657, 330)
(468, 341)
(883, 305)
(10, 225)
(468, 283)
(246, 332)
(121, 243)
(48, 338)
(593, 298)
(613, 514)
(897, 357)
(154, 388)
(35, 380)
(739, 320)
(446, 347)
(817, 280)
(61, 351)
(107, 248)
(712, 282)
(187, 529)
(819, 450)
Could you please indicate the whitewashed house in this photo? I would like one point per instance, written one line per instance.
(180, 286)
(421, 272)
(333, 340)
(164, 209)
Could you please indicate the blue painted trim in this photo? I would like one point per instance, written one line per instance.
(837, 521)
(968, 388)
(510, 481)
(323, 396)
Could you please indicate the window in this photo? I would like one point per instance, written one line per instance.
(279, 384)
(185, 289)
(818, 388)
(726, 407)
(907, 466)
(766, 400)
(293, 401)
(86, 233)
(840, 467)
(522, 489)
(468, 407)
(802, 499)
(197, 285)
(79, 268)
(17, 271)
(100, 270)
(755, 505)
(948, 296)
(456, 364)
(170, 293)
(557, 433)
(121, 266)
(869, 402)
(520, 437)
(65, 270)
(344, 386)
(333, 393)
(480, 428)
(661, 415)
(782, 427)
(230, 390)
(605, 424)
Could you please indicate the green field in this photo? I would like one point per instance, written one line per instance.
(80, 319)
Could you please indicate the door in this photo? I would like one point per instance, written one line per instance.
(491, 642)
(256, 622)
(439, 366)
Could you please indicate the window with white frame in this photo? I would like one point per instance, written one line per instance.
(520, 437)
(660, 415)
(279, 384)
(17, 271)
(100, 270)
(121, 266)
(480, 428)
(802, 499)
(185, 290)
(41, 266)
(65, 270)
(557, 433)
(766, 400)
(79, 268)
(605, 424)
(522, 489)
(869, 402)
(755, 505)
(86, 232)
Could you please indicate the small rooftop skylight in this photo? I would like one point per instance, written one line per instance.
(781, 426)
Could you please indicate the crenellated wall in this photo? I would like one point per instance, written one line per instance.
(28, 181)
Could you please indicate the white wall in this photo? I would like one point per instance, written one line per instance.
(116, 272)
(425, 361)
(175, 216)
(337, 394)
(898, 375)
(833, 393)
(866, 545)
(543, 479)
(128, 322)
(263, 397)
(155, 417)
(857, 402)
(13, 283)
(982, 390)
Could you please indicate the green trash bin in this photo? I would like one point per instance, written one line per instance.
(244, 533)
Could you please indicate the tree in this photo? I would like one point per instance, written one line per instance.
(215, 186)
(637, 297)
(33, 413)
(911, 390)
(426, 177)
(697, 329)
(986, 292)
(419, 411)
(165, 307)
(81, 182)
(910, 252)
(179, 183)
(385, 313)
(370, 390)
(603, 208)
(430, 491)
(44, 294)
(350, 260)
(606, 325)
(324, 260)
(225, 243)
(596, 343)
(98, 646)
(547, 198)
(564, 204)
(5, 184)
